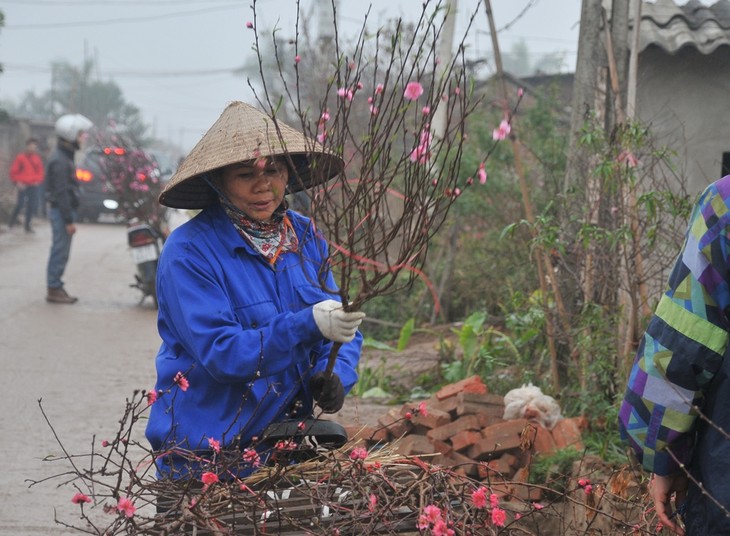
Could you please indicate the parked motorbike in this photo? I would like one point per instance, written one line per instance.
(145, 243)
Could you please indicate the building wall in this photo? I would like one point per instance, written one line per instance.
(684, 100)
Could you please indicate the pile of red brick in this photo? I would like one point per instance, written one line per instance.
(463, 429)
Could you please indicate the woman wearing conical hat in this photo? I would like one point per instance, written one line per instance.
(246, 310)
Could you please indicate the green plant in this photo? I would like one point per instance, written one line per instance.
(554, 470)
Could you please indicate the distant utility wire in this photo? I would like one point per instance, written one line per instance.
(234, 5)
(132, 74)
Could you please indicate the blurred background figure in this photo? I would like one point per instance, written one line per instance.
(27, 173)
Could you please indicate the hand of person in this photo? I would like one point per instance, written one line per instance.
(329, 393)
(334, 322)
(70, 229)
(661, 489)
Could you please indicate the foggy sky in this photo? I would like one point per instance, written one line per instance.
(172, 58)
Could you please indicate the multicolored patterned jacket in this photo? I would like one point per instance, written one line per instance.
(678, 393)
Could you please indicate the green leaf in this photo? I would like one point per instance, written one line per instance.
(405, 334)
(369, 342)
(375, 392)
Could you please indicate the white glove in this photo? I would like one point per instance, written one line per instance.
(334, 323)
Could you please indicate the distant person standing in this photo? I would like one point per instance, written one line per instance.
(27, 173)
(63, 197)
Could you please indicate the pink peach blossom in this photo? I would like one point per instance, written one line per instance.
(482, 174)
(181, 381)
(629, 158)
(502, 131)
(214, 444)
(126, 506)
(479, 497)
(413, 91)
(426, 110)
(151, 397)
(80, 498)
(378, 89)
(249, 25)
(297, 58)
(373, 502)
(208, 478)
(358, 453)
(422, 409)
(520, 92)
(499, 516)
(252, 457)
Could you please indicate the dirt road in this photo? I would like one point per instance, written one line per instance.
(81, 360)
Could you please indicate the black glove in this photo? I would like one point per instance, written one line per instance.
(329, 393)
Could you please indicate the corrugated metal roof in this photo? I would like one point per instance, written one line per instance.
(669, 26)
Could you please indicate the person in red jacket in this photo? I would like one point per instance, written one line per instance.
(27, 173)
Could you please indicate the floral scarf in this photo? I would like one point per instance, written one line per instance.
(269, 238)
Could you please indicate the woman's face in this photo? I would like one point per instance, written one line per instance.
(257, 188)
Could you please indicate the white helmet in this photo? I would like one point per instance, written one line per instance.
(69, 126)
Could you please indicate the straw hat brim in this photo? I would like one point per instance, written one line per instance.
(243, 133)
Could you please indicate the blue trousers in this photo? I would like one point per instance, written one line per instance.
(60, 248)
(28, 199)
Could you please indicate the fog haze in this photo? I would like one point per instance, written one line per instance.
(175, 59)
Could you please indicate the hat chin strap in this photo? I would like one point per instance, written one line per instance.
(227, 202)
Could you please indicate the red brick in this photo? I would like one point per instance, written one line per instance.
(465, 439)
(521, 492)
(497, 439)
(543, 442)
(367, 434)
(472, 384)
(480, 404)
(447, 404)
(567, 433)
(413, 445)
(501, 467)
(467, 422)
(433, 419)
(459, 463)
(395, 423)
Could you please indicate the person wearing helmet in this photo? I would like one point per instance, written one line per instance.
(248, 308)
(63, 197)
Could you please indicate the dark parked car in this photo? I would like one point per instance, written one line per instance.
(112, 178)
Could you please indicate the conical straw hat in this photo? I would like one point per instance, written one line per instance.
(244, 133)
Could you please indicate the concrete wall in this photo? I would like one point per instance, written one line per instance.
(684, 100)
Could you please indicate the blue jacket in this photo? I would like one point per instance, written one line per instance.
(241, 332)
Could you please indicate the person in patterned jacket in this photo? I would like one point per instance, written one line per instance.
(675, 413)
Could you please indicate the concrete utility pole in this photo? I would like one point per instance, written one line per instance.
(445, 53)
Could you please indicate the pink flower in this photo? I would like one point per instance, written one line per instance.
(457, 90)
(494, 500)
(456, 192)
(440, 528)
(432, 512)
(482, 174)
(208, 478)
(408, 415)
(301, 425)
(252, 457)
(378, 89)
(322, 136)
(151, 397)
(422, 153)
(426, 110)
(345, 93)
(324, 117)
(104, 443)
(629, 158)
(413, 91)
(214, 444)
(181, 381)
(538, 506)
(499, 516)
(422, 410)
(373, 502)
(502, 131)
(582, 482)
(358, 453)
(80, 498)
(359, 85)
(373, 110)
(520, 92)
(297, 58)
(518, 516)
(588, 489)
(249, 25)
(479, 497)
(126, 506)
